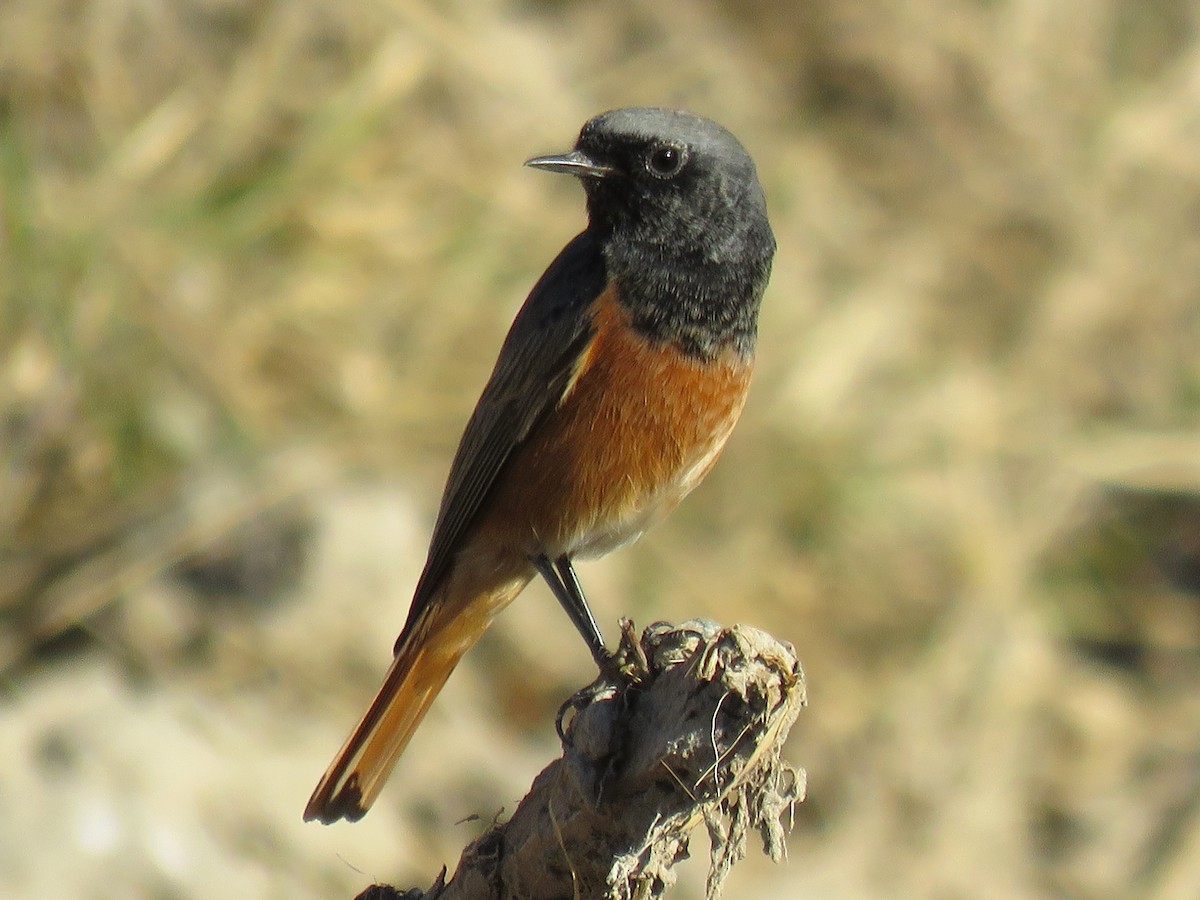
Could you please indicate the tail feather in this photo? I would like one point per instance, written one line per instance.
(447, 626)
(358, 772)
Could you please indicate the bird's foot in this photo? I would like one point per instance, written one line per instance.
(619, 671)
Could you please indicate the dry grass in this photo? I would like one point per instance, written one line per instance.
(256, 259)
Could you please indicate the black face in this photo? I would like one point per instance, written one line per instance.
(671, 178)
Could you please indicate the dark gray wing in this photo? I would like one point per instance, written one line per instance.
(535, 364)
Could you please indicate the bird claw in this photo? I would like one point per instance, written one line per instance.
(619, 671)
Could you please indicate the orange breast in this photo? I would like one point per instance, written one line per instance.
(638, 427)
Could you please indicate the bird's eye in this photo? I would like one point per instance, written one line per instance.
(666, 160)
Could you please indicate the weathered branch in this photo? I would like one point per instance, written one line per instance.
(688, 732)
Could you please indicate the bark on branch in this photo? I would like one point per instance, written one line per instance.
(688, 733)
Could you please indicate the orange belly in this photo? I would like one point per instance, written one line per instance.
(638, 427)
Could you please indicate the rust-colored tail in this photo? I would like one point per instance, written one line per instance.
(425, 656)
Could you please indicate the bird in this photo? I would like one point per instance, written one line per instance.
(614, 392)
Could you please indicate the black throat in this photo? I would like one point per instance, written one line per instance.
(703, 305)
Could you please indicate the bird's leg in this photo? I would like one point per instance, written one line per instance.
(561, 578)
(563, 581)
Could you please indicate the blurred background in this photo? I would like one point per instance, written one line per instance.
(257, 257)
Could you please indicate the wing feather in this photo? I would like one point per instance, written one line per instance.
(535, 366)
